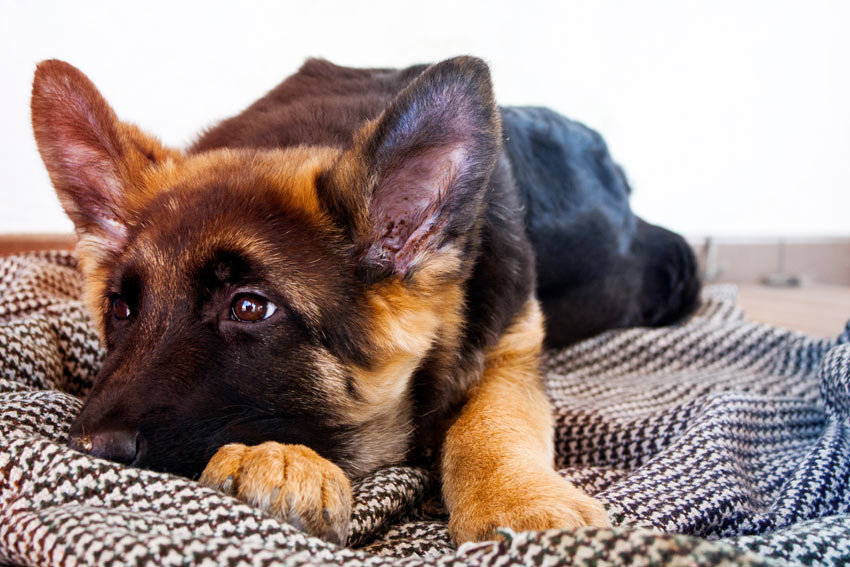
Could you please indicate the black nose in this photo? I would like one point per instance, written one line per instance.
(116, 445)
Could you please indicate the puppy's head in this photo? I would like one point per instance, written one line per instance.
(255, 295)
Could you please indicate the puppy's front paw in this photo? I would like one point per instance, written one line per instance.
(290, 482)
(540, 501)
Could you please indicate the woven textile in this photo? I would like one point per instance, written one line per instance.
(716, 442)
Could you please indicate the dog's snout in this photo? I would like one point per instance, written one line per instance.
(119, 445)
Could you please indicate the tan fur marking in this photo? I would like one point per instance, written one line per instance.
(408, 317)
(90, 257)
(291, 171)
(498, 456)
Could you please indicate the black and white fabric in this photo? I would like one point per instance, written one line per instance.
(715, 442)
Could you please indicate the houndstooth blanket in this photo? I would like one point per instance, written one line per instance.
(715, 442)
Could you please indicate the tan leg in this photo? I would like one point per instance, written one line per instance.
(497, 463)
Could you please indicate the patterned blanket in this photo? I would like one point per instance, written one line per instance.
(716, 442)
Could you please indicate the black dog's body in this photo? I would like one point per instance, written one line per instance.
(598, 266)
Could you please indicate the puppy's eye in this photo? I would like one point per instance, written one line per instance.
(250, 307)
(120, 309)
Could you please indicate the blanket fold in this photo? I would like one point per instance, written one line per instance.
(718, 441)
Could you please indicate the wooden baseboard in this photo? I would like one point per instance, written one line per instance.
(810, 260)
(18, 243)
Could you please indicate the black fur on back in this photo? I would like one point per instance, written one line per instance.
(598, 265)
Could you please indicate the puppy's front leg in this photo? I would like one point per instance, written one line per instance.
(497, 462)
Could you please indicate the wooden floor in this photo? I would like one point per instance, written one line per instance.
(818, 310)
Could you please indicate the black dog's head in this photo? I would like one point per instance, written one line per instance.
(257, 294)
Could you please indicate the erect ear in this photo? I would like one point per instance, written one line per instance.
(414, 181)
(95, 161)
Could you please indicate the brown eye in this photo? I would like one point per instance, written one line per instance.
(120, 309)
(250, 308)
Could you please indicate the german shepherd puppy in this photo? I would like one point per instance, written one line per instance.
(349, 274)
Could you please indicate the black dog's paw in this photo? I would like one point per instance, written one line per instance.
(290, 482)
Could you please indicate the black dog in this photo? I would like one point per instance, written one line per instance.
(598, 265)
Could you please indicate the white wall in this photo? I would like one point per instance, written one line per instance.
(731, 117)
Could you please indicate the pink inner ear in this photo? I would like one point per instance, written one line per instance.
(89, 167)
(84, 141)
(92, 177)
(405, 203)
(76, 132)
